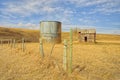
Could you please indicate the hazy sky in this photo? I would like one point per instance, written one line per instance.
(104, 15)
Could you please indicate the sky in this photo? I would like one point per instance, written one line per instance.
(103, 15)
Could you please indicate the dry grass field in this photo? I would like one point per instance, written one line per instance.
(18, 33)
(100, 61)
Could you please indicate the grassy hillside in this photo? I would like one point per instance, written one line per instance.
(99, 61)
(33, 35)
(17, 33)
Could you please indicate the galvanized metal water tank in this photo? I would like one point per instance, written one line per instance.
(50, 31)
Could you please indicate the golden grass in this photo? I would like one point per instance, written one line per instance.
(100, 61)
(33, 35)
(90, 62)
(18, 33)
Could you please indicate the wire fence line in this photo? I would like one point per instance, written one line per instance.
(13, 44)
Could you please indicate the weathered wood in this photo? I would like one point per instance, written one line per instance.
(14, 43)
(11, 43)
(52, 49)
(87, 35)
(41, 48)
(23, 45)
(65, 55)
(94, 37)
(70, 55)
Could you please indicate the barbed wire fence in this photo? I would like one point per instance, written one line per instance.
(68, 39)
(12, 43)
(20, 44)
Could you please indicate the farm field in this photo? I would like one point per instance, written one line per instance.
(99, 61)
(59, 39)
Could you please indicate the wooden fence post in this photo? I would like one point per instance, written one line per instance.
(70, 55)
(52, 49)
(65, 55)
(41, 48)
(23, 46)
(14, 43)
(11, 43)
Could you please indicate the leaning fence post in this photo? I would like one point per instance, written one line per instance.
(65, 55)
(14, 43)
(41, 48)
(70, 55)
(23, 46)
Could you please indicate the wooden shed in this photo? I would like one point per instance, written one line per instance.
(87, 35)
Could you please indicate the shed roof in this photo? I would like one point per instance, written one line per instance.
(87, 30)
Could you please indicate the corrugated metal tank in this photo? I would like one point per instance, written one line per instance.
(50, 31)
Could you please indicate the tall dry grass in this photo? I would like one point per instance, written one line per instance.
(90, 62)
(98, 61)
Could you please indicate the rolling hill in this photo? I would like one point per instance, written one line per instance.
(98, 61)
(18, 33)
(33, 35)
